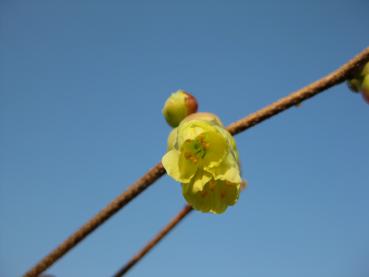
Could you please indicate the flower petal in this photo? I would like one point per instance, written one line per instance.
(215, 196)
(187, 169)
(178, 168)
(217, 148)
(228, 170)
(190, 130)
(172, 139)
(197, 200)
(200, 180)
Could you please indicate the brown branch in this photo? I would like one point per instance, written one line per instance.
(297, 97)
(157, 171)
(336, 77)
(135, 189)
(185, 211)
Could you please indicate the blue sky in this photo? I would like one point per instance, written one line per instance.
(82, 84)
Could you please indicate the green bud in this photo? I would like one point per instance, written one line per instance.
(365, 88)
(179, 105)
(365, 70)
(354, 85)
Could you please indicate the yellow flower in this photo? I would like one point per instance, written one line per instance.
(198, 144)
(203, 156)
(206, 194)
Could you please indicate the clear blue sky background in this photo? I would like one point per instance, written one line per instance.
(82, 84)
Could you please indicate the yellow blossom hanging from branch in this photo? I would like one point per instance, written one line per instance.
(203, 157)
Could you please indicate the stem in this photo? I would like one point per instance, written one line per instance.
(184, 212)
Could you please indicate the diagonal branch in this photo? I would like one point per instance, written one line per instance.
(332, 79)
(183, 213)
(336, 77)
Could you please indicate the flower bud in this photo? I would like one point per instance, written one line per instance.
(354, 85)
(365, 88)
(179, 105)
(365, 70)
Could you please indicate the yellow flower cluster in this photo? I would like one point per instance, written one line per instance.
(202, 155)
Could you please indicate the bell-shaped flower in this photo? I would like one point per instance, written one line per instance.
(206, 194)
(198, 144)
(203, 156)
